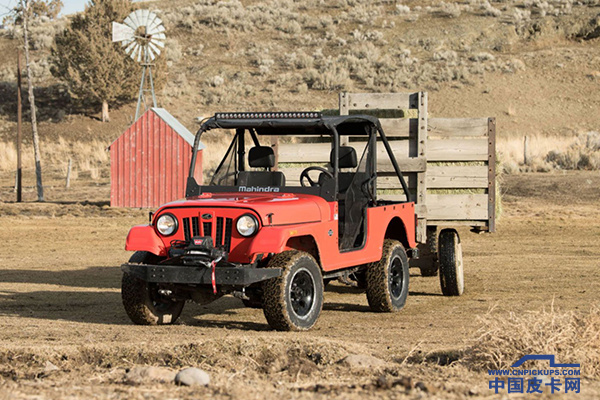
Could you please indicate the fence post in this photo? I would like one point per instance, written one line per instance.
(526, 150)
(69, 167)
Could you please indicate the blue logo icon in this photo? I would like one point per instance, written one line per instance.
(537, 379)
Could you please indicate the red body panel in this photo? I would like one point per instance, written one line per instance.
(144, 238)
(282, 218)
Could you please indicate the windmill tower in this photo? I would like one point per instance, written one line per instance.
(143, 36)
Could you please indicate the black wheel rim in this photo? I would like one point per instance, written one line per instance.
(302, 293)
(396, 278)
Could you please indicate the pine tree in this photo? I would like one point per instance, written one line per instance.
(97, 71)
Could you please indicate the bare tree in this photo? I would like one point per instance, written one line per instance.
(36, 141)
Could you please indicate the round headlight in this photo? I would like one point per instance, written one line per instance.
(247, 225)
(166, 224)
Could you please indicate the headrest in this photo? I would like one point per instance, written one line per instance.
(347, 157)
(261, 157)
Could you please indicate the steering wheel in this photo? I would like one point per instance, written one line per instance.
(304, 174)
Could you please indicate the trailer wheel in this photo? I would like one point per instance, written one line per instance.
(142, 301)
(387, 279)
(293, 301)
(451, 263)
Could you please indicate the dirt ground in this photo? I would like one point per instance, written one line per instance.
(60, 302)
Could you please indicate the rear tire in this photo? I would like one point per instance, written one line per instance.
(293, 301)
(142, 301)
(451, 263)
(387, 279)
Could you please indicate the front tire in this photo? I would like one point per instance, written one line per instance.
(452, 278)
(293, 301)
(143, 302)
(387, 279)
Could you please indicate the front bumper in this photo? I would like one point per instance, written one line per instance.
(200, 275)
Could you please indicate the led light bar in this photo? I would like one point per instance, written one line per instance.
(270, 115)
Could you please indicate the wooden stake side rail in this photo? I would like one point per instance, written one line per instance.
(448, 163)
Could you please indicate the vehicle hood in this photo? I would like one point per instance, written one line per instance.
(273, 208)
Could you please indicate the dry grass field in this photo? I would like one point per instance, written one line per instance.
(60, 302)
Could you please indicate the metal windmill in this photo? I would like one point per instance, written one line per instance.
(143, 37)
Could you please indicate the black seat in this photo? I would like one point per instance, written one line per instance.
(347, 159)
(261, 157)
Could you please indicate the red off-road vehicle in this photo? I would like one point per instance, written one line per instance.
(275, 246)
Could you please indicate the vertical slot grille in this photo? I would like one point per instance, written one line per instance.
(228, 228)
(186, 229)
(219, 238)
(195, 227)
(207, 229)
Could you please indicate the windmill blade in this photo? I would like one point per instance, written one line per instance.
(131, 47)
(154, 49)
(158, 43)
(134, 18)
(137, 53)
(121, 32)
(152, 26)
(153, 20)
(151, 55)
(138, 15)
(129, 22)
(144, 19)
(127, 42)
(157, 30)
(160, 37)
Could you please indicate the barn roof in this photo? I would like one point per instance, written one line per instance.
(175, 125)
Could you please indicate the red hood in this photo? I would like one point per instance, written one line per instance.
(286, 208)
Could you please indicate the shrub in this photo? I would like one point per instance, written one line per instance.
(449, 10)
(401, 9)
(571, 337)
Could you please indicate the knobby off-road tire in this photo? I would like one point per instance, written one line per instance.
(141, 300)
(293, 301)
(431, 252)
(387, 279)
(451, 263)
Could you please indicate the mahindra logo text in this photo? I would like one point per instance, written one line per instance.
(258, 189)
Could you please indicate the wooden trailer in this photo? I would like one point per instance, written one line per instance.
(449, 164)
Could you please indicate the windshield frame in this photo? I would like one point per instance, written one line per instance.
(326, 126)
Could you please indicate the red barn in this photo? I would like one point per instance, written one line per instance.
(149, 162)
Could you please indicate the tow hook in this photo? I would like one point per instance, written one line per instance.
(241, 294)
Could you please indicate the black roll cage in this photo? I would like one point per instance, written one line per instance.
(324, 126)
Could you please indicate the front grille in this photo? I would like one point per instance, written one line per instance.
(195, 227)
(186, 229)
(207, 229)
(222, 236)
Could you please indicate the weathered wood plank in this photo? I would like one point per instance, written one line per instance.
(456, 223)
(422, 176)
(438, 150)
(445, 177)
(453, 206)
(492, 175)
(399, 127)
(457, 150)
(457, 127)
(381, 101)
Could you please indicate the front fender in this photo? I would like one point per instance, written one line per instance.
(268, 240)
(144, 238)
(274, 239)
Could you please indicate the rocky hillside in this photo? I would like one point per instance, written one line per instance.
(535, 65)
